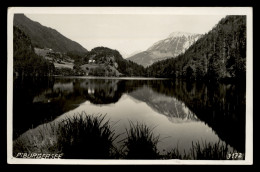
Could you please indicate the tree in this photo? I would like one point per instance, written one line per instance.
(26, 62)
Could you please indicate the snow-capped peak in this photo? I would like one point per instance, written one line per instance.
(180, 34)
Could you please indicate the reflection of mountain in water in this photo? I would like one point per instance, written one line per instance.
(220, 106)
(174, 110)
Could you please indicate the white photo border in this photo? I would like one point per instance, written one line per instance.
(248, 11)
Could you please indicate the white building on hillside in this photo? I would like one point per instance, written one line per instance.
(91, 61)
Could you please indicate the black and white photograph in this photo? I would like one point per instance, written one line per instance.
(128, 85)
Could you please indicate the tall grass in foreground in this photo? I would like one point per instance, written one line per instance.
(209, 151)
(92, 137)
(79, 137)
(140, 143)
(86, 137)
(200, 151)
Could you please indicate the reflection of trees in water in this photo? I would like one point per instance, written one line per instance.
(100, 91)
(39, 100)
(24, 92)
(221, 106)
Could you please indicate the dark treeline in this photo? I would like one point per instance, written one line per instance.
(219, 54)
(26, 62)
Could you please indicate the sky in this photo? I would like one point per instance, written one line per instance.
(128, 33)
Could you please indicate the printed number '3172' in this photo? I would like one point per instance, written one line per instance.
(236, 156)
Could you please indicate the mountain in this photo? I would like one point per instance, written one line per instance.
(219, 54)
(45, 37)
(175, 44)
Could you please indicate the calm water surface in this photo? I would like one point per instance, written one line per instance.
(180, 112)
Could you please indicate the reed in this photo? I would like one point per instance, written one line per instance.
(86, 137)
(209, 151)
(140, 142)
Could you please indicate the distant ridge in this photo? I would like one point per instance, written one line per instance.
(46, 37)
(175, 44)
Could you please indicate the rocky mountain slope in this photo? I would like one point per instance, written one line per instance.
(175, 44)
(174, 110)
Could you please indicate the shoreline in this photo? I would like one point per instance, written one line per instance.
(106, 77)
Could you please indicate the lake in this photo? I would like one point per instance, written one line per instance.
(180, 112)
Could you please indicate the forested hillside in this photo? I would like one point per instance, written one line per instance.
(108, 62)
(26, 62)
(46, 37)
(219, 54)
